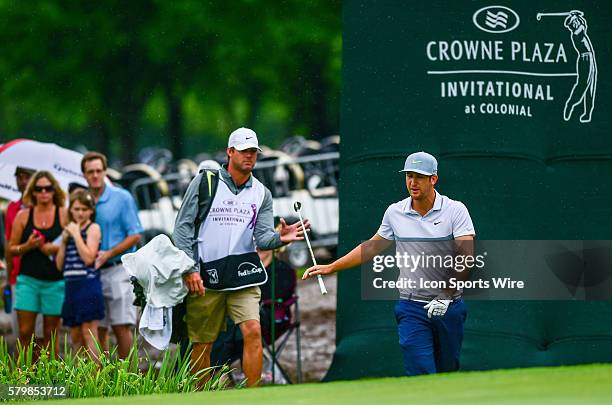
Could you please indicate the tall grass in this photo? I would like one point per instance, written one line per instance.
(86, 377)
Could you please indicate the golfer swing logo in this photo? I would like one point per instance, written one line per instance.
(214, 276)
(583, 91)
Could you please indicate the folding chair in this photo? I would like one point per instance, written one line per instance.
(286, 316)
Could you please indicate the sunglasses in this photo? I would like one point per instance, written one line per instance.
(40, 189)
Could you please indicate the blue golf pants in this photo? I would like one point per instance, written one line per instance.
(430, 345)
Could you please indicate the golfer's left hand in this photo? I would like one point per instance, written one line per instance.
(437, 307)
(290, 233)
(318, 269)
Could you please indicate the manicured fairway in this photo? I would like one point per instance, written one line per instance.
(559, 385)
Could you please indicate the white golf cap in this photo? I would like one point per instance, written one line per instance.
(422, 163)
(243, 138)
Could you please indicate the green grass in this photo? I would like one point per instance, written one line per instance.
(87, 377)
(554, 385)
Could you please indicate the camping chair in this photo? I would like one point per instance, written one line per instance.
(286, 322)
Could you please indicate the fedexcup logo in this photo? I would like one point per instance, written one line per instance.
(247, 268)
(496, 19)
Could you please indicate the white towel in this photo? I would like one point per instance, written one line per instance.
(156, 326)
(159, 267)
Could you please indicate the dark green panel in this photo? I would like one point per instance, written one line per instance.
(521, 177)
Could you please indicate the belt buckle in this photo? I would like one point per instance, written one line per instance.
(415, 298)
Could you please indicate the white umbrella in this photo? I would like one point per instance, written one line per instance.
(63, 164)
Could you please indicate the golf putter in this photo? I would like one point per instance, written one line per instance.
(297, 206)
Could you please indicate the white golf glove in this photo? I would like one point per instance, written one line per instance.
(437, 307)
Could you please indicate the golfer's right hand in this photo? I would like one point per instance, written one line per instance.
(194, 283)
(318, 269)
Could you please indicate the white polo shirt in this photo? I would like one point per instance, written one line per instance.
(419, 235)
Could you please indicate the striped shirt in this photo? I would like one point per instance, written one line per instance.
(74, 267)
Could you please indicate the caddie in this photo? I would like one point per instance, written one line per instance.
(430, 320)
(220, 230)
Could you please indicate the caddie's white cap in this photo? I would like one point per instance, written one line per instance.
(421, 162)
(243, 138)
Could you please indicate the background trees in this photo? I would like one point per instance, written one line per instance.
(116, 75)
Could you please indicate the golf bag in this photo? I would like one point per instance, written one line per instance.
(206, 194)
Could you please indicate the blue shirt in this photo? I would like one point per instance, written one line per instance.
(117, 215)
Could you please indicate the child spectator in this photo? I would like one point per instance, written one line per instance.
(83, 303)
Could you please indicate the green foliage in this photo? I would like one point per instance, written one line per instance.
(86, 377)
(114, 72)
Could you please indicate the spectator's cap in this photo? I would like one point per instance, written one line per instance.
(422, 163)
(75, 186)
(243, 138)
(24, 170)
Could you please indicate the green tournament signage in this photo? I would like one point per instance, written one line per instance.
(491, 71)
(513, 98)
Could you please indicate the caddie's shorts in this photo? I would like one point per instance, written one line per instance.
(205, 316)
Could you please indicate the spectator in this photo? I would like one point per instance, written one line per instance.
(22, 177)
(39, 287)
(83, 303)
(117, 216)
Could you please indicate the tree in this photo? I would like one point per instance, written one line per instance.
(91, 68)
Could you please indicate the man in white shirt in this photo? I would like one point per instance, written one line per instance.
(430, 320)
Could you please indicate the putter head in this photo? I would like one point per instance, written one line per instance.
(297, 206)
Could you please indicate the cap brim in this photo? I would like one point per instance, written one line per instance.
(245, 146)
(25, 170)
(416, 171)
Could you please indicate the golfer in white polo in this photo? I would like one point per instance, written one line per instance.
(430, 320)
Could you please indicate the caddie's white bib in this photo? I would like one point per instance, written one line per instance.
(228, 228)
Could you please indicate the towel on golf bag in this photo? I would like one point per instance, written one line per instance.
(156, 326)
(159, 267)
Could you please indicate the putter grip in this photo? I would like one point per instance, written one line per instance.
(321, 284)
